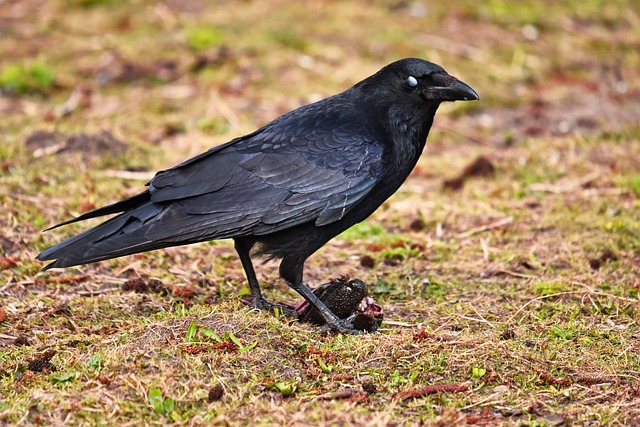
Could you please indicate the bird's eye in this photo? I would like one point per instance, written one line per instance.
(412, 81)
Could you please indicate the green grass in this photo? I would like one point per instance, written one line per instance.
(521, 288)
(21, 79)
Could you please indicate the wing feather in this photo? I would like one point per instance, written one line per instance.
(300, 168)
(310, 166)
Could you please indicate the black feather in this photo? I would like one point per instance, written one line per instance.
(288, 187)
(121, 206)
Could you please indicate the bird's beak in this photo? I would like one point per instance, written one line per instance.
(456, 91)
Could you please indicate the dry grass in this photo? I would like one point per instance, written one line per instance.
(512, 300)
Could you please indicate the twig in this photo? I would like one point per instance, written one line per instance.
(495, 224)
(97, 292)
(516, 274)
(485, 249)
(476, 320)
(485, 400)
(130, 175)
(598, 397)
(430, 389)
(403, 324)
(481, 317)
(7, 337)
(345, 393)
(571, 186)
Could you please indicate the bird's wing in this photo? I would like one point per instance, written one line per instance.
(301, 168)
(309, 166)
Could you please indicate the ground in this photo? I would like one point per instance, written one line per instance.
(508, 265)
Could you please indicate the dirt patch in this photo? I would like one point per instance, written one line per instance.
(113, 67)
(9, 246)
(43, 143)
(481, 166)
(42, 362)
(140, 286)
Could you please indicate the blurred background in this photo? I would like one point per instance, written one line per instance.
(222, 68)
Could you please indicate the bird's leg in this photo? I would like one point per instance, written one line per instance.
(333, 322)
(257, 300)
(291, 270)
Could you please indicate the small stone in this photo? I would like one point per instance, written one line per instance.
(369, 387)
(215, 393)
(367, 261)
(500, 389)
(508, 334)
(554, 420)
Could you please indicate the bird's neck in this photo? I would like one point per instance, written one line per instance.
(408, 133)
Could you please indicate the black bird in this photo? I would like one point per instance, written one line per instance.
(286, 189)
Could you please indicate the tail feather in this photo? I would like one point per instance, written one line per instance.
(98, 243)
(121, 206)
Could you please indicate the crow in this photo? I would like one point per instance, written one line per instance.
(286, 189)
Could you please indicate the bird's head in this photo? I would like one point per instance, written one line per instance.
(417, 82)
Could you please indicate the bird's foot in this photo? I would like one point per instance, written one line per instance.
(273, 308)
(344, 326)
(348, 308)
(367, 318)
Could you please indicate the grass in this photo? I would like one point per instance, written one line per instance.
(512, 300)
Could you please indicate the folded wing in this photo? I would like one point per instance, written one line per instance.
(307, 166)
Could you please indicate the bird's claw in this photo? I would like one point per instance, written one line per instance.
(344, 326)
(346, 308)
(273, 308)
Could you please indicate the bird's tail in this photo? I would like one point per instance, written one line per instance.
(121, 206)
(98, 243)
